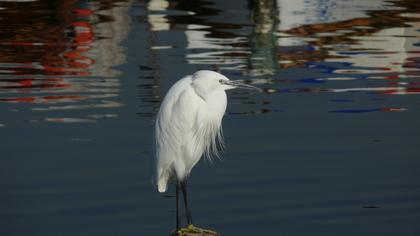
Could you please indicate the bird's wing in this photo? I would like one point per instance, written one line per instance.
(175, 125)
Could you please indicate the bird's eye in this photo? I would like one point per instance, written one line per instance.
(220, 81)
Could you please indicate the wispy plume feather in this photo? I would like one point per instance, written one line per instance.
(209, 138)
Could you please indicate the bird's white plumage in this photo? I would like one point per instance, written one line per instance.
(188, 124)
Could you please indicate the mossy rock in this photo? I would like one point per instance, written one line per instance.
(195, 231)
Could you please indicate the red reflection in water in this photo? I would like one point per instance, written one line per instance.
(41, 38)
(28, 83)
(44, 99)
(392, 109)
(403, 90)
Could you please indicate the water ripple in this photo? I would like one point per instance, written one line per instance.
(70, 59)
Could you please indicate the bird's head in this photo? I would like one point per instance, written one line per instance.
(206, 81)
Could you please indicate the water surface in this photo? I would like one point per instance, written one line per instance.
(330, 147)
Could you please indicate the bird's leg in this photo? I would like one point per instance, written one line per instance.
(177, 231)
(187, 208)
(191, 229)
(178, 222)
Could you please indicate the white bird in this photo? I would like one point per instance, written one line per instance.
(188, 126)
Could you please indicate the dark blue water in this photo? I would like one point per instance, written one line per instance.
(330, 147)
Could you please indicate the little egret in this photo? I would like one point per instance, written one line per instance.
(188, 126)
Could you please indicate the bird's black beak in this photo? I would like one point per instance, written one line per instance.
(240, 84)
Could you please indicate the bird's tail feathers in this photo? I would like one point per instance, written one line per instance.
(162, 184)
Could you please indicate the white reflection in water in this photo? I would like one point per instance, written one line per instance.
(387, 49)
(108, 52)
(223, 52)
(101, 104)
(296, 13)
(199, 39)
(258, 53)
(157, 17)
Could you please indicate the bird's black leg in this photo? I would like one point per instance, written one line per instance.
(178, 222)
(187, 208)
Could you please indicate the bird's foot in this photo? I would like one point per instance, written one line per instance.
(192, 230)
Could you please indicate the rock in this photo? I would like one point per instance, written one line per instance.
(192, 230)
